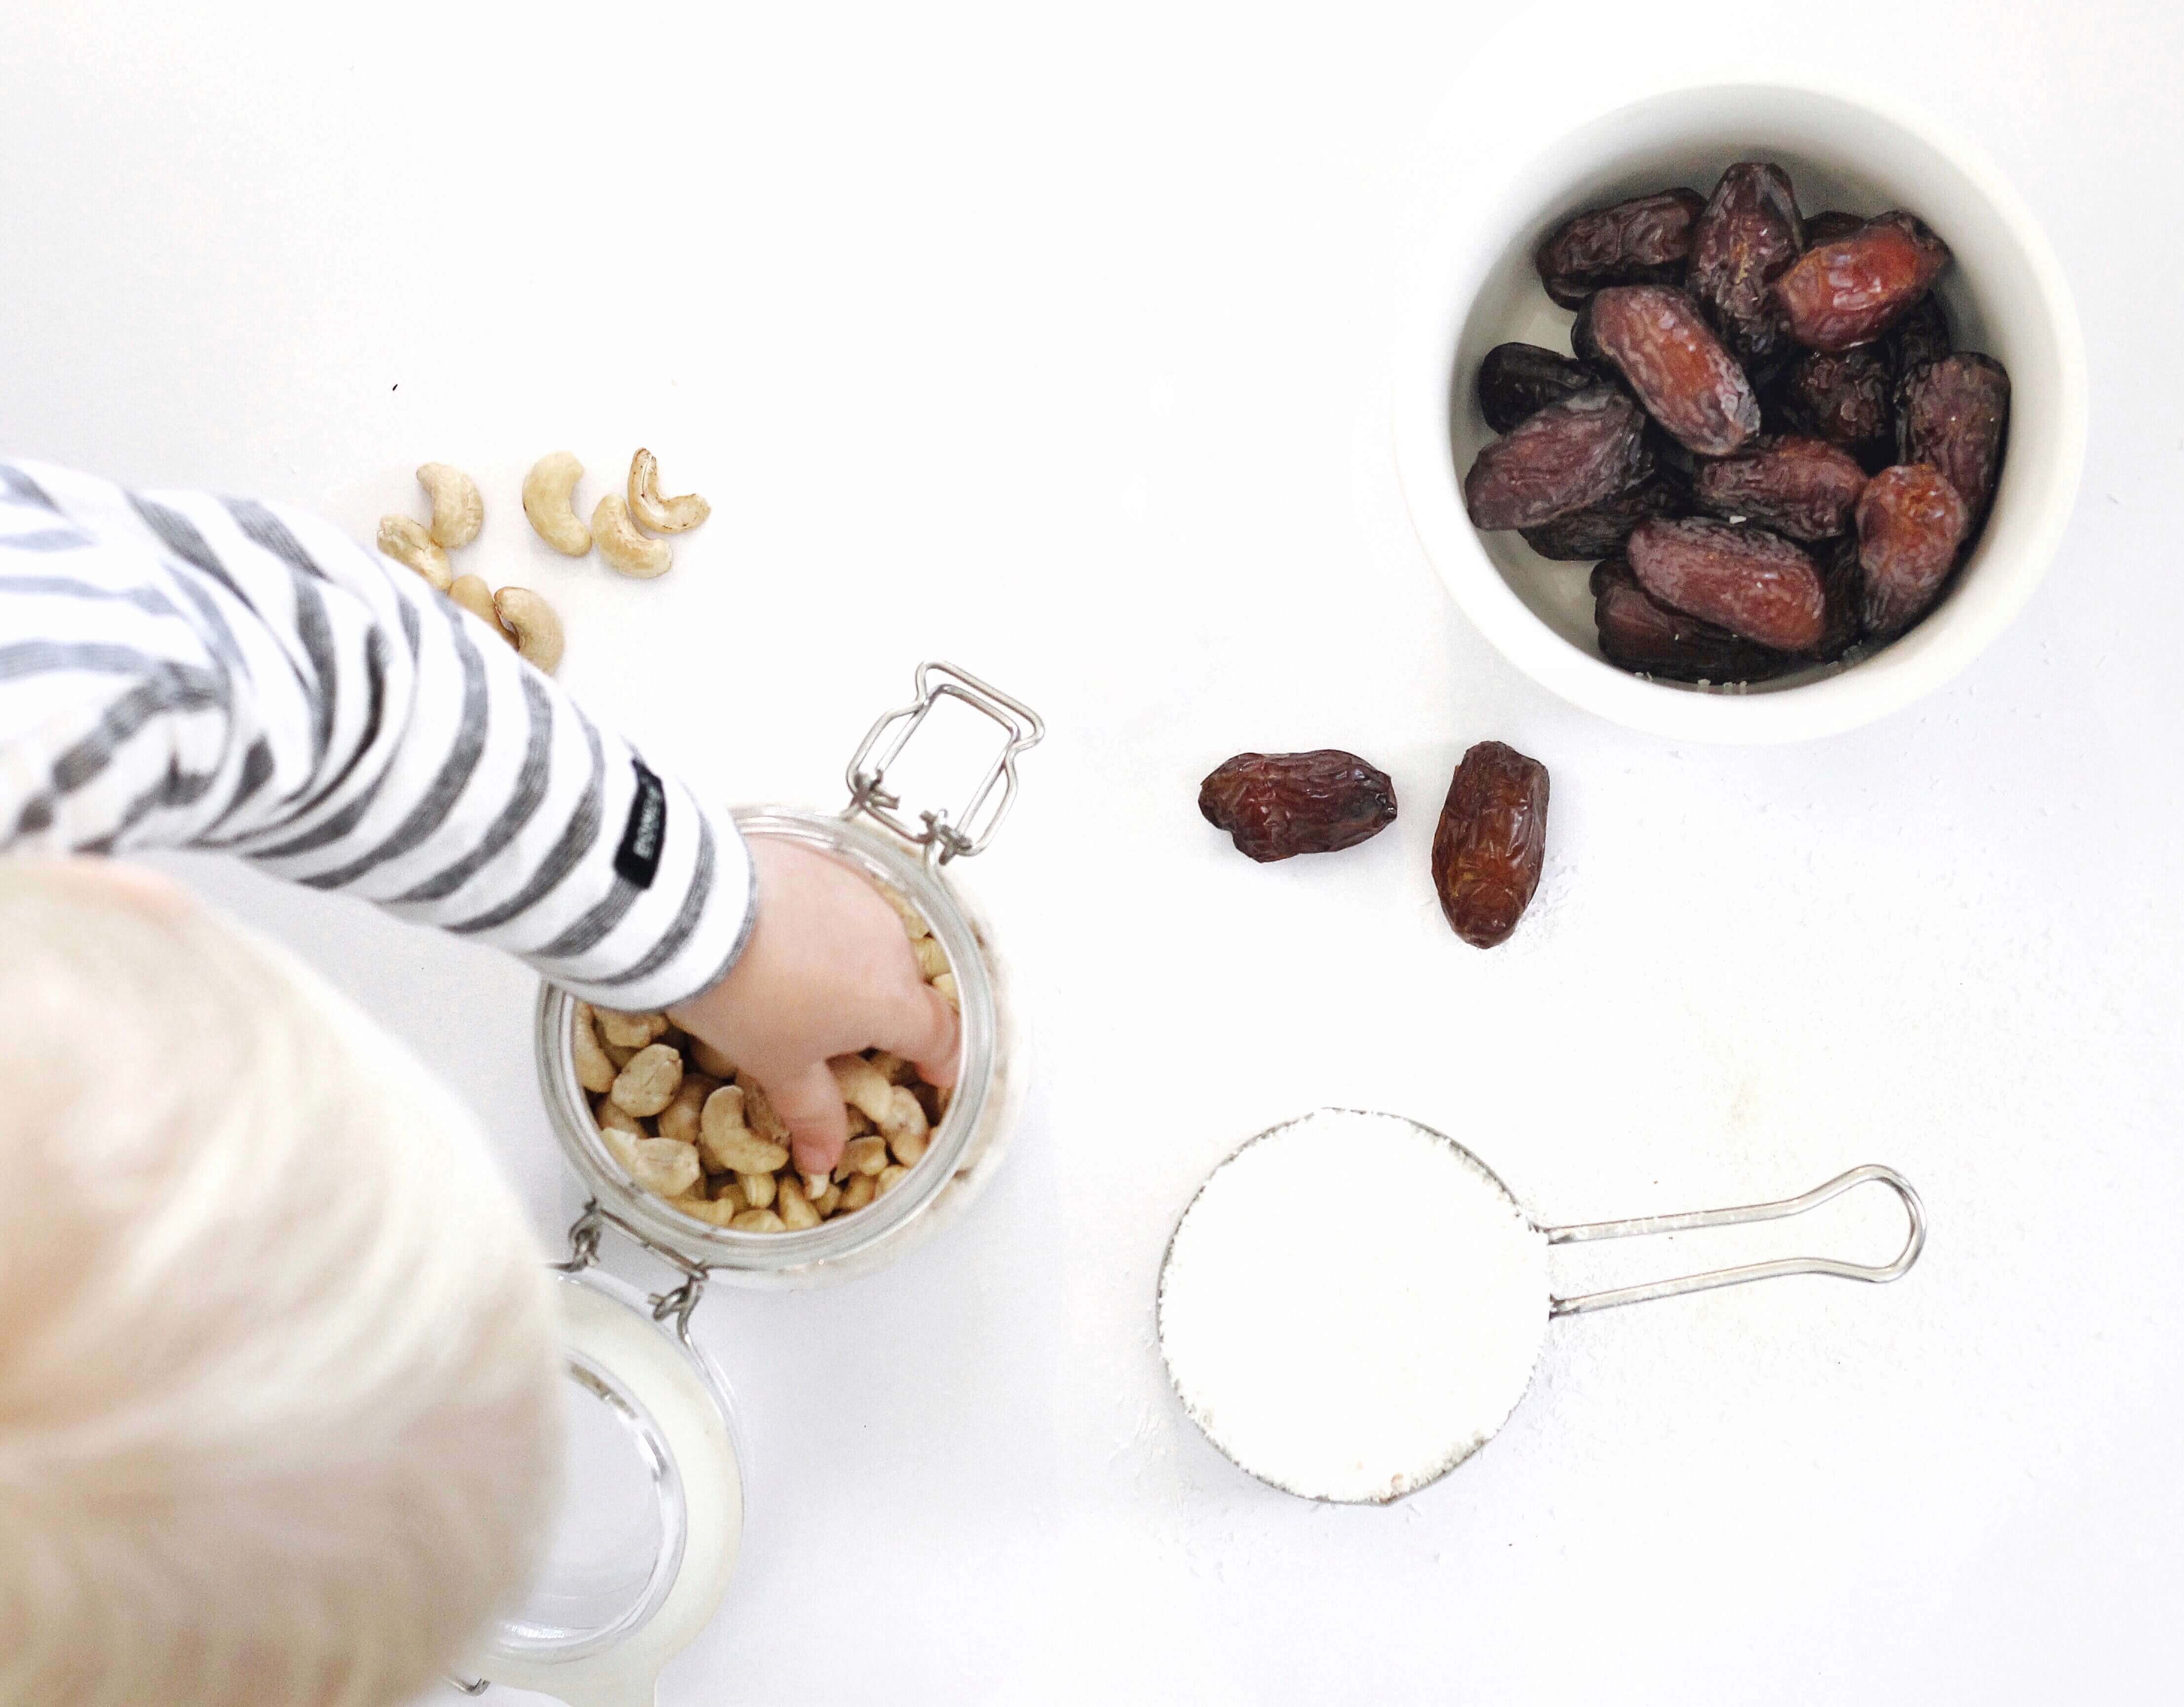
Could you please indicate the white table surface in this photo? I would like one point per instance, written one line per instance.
(1052, 341)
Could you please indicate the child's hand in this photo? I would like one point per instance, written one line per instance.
(827, 971)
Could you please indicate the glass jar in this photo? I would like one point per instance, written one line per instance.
(652, 1512)
(872, 835)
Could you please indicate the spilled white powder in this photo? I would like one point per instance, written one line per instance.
(1350, 1345)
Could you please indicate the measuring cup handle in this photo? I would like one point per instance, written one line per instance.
(1777, 1211)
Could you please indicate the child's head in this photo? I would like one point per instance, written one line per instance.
(279, 1379)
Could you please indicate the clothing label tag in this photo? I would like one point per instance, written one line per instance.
(638, 858)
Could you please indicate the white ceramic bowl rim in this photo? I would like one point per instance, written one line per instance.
(1466, 228)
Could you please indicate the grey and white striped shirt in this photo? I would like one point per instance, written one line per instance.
(179, 670)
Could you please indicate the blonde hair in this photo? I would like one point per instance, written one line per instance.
(280, 1383)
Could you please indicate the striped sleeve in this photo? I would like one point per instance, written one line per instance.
(179, 670)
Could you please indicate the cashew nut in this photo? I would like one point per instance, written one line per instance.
(458, 511)
(930, 962)
(649, 1083)
(907, 1132)
(595, 1072)
(857, 1190)
(758, 1189)
(863, 1086)
(661, 514)
(665, 1168)
(722, 1212)
(945, 987)
(549, 493)
(759, 1112)
(889, 1180)
(794, 1208)
(625, 548)
(471, 592)
(758, 1221)
(404, 539)
(630, 1030)
(680, 1118)
(866, 1155)
(613, 1118)
(533, 622)
(731, 1144)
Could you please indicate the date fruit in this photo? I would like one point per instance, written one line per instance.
(1847, 293)
(1491, 843)
(1747, 237)
(1517, 380)
(1842, 586)
(1831, 226)
(1910, 521)
(1802, 488)
(1921, 337)
(1278, 804)
(1584, 535)
(1751, 582)
(1842, 398)
(1660, 342)
(1643, 241)
(1953, 413)
(1640, 633)
(1562, 458)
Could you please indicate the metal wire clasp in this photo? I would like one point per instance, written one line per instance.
(968, 833)
(673, 1305)
(1912, 1244)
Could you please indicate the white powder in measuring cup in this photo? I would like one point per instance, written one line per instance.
(1344, 1355)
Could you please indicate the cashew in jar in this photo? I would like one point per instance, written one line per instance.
(666, 1167)
(729, 1143)
(720, 1212)
(458, 511)
(661, 515)
(945, 987)
(863, 1086)
(866, 1155)
(857, 1190)
(757, 1221)
(793, 1208)
(930, 962)
(893, 1067)
(612, 1117)
(595, 1072)
(758, 1114)
(630, 1030)
(758, 1189)
(549, 491)
(649, 1083)
(888, 1178)
(628, 551)
(904, 1117)
(683, 1118)
(404, 539)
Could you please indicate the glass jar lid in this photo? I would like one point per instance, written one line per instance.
(651, 1515)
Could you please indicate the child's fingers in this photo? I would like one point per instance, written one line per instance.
(810, 1103)
(924, 1030)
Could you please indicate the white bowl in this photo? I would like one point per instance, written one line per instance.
(1617, 127)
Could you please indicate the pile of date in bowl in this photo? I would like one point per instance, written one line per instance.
(1763, 436)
